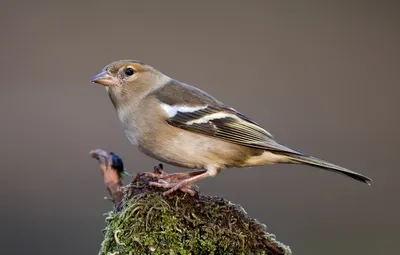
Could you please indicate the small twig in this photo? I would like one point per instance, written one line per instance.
(112, 175)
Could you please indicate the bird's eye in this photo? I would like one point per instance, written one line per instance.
(129, 71)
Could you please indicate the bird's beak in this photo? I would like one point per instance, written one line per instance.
(105, 79)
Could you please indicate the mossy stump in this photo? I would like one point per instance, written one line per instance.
(146, 222)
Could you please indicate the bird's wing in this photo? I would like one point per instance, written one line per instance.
(193, 110)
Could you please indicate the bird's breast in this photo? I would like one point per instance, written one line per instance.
(132, 136)
(126, 117)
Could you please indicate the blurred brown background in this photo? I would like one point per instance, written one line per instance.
(323, 78)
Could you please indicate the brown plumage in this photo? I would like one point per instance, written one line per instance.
(184, 126)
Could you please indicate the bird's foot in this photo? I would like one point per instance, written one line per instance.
(174, 181)
(159, 173)
(178, 181)
(191, 189)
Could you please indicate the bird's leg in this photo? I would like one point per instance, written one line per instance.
(192, 177)
(171, 178)
(177, 177)
(185, 183)
(186, 189)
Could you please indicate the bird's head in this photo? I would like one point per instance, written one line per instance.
(128, 79)
(124, 73)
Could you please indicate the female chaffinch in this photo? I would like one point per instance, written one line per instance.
(181, 125)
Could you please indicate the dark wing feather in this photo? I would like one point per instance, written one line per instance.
(233, 128)
(215, 120)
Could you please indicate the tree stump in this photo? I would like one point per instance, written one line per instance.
(146, 222)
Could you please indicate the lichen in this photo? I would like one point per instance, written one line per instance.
(149, 223)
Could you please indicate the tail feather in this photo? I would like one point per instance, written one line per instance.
(304, 159)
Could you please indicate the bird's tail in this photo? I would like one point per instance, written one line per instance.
(308, 160)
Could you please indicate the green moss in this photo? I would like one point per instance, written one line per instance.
(148, 223)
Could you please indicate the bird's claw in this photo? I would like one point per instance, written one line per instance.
(170, 182)
(191, 189)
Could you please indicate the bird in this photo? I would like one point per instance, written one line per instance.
(183, 126)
